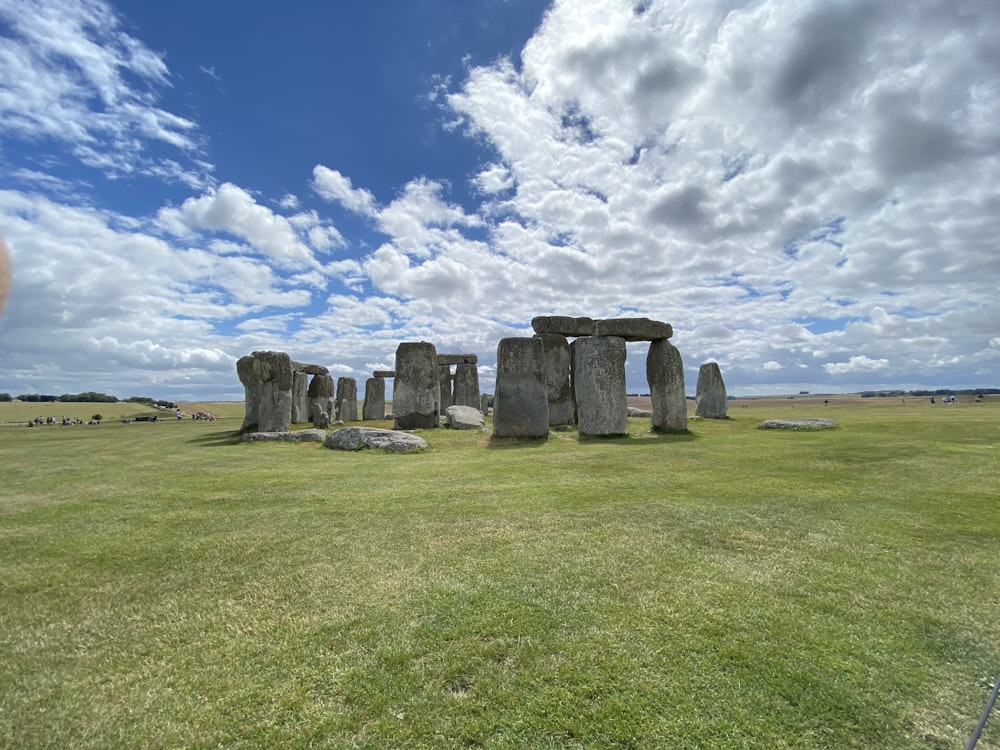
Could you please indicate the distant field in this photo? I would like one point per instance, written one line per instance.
(164, 585)
(20, 412)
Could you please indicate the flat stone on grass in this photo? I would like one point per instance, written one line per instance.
(800, 425)
(391, 441)
(293, 436)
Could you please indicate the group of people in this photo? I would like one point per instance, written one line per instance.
(65, 421)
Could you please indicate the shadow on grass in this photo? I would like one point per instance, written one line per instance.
(216, 439)
(632, 438)
(516, 442)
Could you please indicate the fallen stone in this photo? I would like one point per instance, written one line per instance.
(391, 441)
(292, 436)
(800, 425)
(462, 417)
(642, 413)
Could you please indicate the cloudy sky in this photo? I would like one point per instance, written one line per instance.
(807, 191)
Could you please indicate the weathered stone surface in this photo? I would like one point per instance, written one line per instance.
(374, 406)
(798, 425)
(665, 376)
(563, 325)
(320, 393)
(444, 384)
(633, 329)
(319, 415)
(347, 399)
(274, 370)
(416, 398)
(710, 397)
(251, 392)
(464, 417)
(484, 404)
(300, 397)
(520, 404)
(556, 372)
(599, 385)
(310, 369)
(466, 391)
(292, 436)
(384, 374)
(458, 359)
(391, 441)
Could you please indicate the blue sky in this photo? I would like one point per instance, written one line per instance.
(805, 191)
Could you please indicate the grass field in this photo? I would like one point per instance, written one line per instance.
(162, 585)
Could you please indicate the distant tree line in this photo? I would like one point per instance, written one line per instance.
(88, 397)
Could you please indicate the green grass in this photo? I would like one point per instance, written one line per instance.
(162, 585)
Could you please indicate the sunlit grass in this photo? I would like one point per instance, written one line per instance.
(163, 585)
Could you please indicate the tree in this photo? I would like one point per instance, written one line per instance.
(96, 418)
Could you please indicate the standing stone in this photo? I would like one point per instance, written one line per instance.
(374, 406)
(466, 385)
(416, 399)
(665, 375)
(347, 391)
(300, 397)
(251, 391)
(274, 369)
(599, 385)
(444, 375)
(710, 398)
(320, 390)
(558, 387)
(520, 404)
(484, 404)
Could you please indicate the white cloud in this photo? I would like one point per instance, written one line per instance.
(333, 186)
(858, 363)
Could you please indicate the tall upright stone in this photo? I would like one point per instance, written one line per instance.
(416, 399)
(710, 397)
(251, 393)
(520, 403)
(466, 392)
(558, 387)
(665, 375)
(274, 370)
(320, 393)
(374, 406)
(347, 391)
(599, 385)
(300, 397)
(444, 376)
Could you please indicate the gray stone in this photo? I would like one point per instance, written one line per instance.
(665, 376)
(319, 415)
(310, 369)
(416, 399)
(292, 436)
(457, 359)
(384, 374)
(466, 392)
(710, 397)
(558, 386)
(798, 425)
(347, 399)
(444, 384)
(300, 397)
(391, 441)
(320, 393)
(633, 329)
(374, 405)
(251, 393)
(599, 385)
(464, 417)
(274, 370)
(484, 404)
(563, 325)
(520, 404)
(639, 413)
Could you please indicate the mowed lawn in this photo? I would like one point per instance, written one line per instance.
(164, 586)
